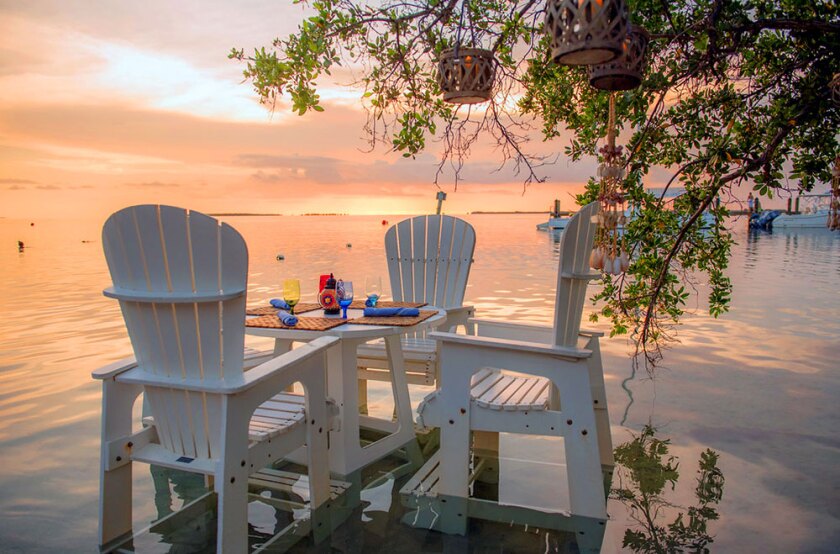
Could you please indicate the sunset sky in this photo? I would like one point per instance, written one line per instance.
(110, 103)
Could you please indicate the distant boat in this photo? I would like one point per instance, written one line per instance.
(557, 219)
(813, 216)
(554, 223)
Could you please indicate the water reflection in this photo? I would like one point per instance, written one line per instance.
(759, 385)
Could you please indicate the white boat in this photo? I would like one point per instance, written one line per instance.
(813, 216)
(556, 220)
(554, 223)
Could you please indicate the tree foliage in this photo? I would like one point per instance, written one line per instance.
(735, 93)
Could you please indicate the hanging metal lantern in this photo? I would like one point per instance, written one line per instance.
(834, 85)
(466, 75)
(625, 72)
(586, 32)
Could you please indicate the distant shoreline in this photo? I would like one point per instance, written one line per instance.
(514, 212)
(245, 214)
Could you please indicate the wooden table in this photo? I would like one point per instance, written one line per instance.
(346, 452)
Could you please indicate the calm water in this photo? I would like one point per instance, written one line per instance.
(760, 385)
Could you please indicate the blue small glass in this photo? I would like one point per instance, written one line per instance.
(373, 290)
(344, 291)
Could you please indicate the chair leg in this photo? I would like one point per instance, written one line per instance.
(363, 396)
(115, 475)
(316, 441)
(231, 481)
(586, 483)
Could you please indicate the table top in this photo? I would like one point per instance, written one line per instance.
(348, 330)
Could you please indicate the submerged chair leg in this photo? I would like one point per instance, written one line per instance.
(232, 482)
(586, 492)
(115, 468)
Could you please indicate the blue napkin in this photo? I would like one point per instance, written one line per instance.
(288, 319)
(279, 304)
(391, 312)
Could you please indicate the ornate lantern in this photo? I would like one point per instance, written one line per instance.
(625, 72)
(834, 86)
(466, 75)
(586, 32)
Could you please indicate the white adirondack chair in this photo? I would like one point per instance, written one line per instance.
(561, 394)
(429, 260)
(180, 278)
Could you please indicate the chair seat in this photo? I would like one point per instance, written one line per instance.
(493, 389)
(277, 416)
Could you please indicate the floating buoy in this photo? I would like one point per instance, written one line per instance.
(32, 225)
(280, 257)
(384, 222)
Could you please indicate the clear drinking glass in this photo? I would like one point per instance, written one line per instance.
(373, 289)
(344, 292)
(291, 293)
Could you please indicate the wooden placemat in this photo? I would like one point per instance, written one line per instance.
(303, 324)
(360, 304)
(399, 321)
(271, 310)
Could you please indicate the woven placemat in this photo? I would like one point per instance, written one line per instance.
(360, 304)
(271, 310)
(398, 321)
(303, 324)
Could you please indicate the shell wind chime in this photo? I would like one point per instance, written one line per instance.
(610, 251)
(833, 221)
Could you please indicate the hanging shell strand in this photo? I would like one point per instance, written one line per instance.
(609, 254)
(833, 221)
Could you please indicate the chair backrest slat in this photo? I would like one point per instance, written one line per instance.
(429, 259)
(418, 256)
(169, 251)
(575, 250)
(406, 262)
(463, 242)
(433, 223)
(444, 263)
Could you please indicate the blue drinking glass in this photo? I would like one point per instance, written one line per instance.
(344, 292)
(373, 290)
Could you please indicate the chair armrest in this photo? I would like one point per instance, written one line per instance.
(521, 331)
(459, 315)
(267, 370)
(512, 331)
(112, 370)
(512, 345)
(250, 379)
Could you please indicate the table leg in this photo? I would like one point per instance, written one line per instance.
(281, 346)
(342, 387)
(346, 452)
(399, 384)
